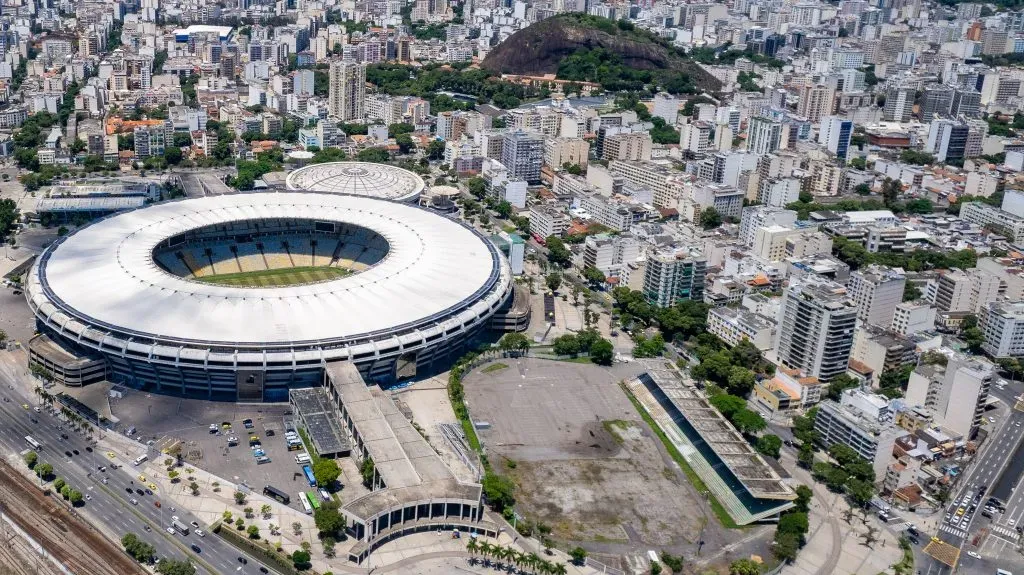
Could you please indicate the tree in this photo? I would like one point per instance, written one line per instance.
(744, 567)
(326, 471)
(593, 276)
(297, 528)
(769, 445)
(194, 487)
(674, 562)
(248, 512)
(710, 218)
(578, 555)
(514, 341)
(740, 381)
(174, 567)
(265, 511)
(138, 549)
(860, 491)
(59, 484)
(838, 384)
(239, 497)
(254, 532)
(328, 519)
(499, 491)
(558, 254)
(911, 292)
(728, 405)
(573, 169)
(44, 470)
(239, 523)
(803, 498)
(786, 547)
(566, 345)
(748, 422)
(477, 186)
(31, 458)
(300, 559)
(435, 150)
(173, 476)
(75, 497)
(553, 281)
(602, 352)
(376, 155)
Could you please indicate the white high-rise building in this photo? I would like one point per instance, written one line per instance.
(1003, 326)
(347, 90)
(877, 290)
(954, 393)
(816, 328)
(666, 107)
(835, 134)
(970, 291)
(754, 217)
(764, 136)
(695, 138)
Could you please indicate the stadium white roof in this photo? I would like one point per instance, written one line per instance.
(105, 275)
(358, 178)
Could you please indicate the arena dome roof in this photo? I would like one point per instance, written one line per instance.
(104, 277)
(358, 178)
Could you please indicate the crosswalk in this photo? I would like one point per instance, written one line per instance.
(1005, 532)
(945, 527)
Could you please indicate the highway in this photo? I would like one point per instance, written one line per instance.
(109, 503)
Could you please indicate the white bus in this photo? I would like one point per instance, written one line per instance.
(35, 444)
(305, 503)
(181, 527)
(142, 458)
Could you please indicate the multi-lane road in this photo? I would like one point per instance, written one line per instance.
(996, 470)
(109, 502)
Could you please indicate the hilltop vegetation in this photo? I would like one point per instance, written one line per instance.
(617, 55)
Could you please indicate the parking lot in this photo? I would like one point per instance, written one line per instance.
(171, 422)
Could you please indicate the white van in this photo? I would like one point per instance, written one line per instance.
(142, 458)
(302, 458)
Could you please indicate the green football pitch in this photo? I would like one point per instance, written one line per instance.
(276, 278)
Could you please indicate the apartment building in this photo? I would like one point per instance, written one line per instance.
(816, 328)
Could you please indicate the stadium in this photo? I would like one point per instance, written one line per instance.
(358, 178)
(239, 297)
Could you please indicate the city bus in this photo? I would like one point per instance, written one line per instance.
(35, 444)
(275, 493)
(309, 475)
(181, 527)
(314, 501)
(305, 503)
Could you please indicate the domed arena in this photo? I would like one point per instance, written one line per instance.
(358, 178)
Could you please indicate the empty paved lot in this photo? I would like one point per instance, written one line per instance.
(542, 409)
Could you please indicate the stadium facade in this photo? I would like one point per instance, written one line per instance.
(140, 290)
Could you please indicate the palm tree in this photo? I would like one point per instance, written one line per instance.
(558, 569)
(486, 550)
(848, 515)
(869, 537)
(532, 560)
(472, 547)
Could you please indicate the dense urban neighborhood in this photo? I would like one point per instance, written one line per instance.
(543, 287)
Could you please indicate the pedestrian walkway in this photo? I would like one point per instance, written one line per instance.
(1005, 532)
(953, 531)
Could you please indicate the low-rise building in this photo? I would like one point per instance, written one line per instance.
(733, 325)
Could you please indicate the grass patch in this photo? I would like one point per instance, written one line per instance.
(691, 475)
(612, 426)
(494, 367)
(264, 552)
(277, 277)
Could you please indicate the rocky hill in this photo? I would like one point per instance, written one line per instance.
(538, 49)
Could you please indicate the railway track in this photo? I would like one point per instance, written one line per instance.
(69, 539)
